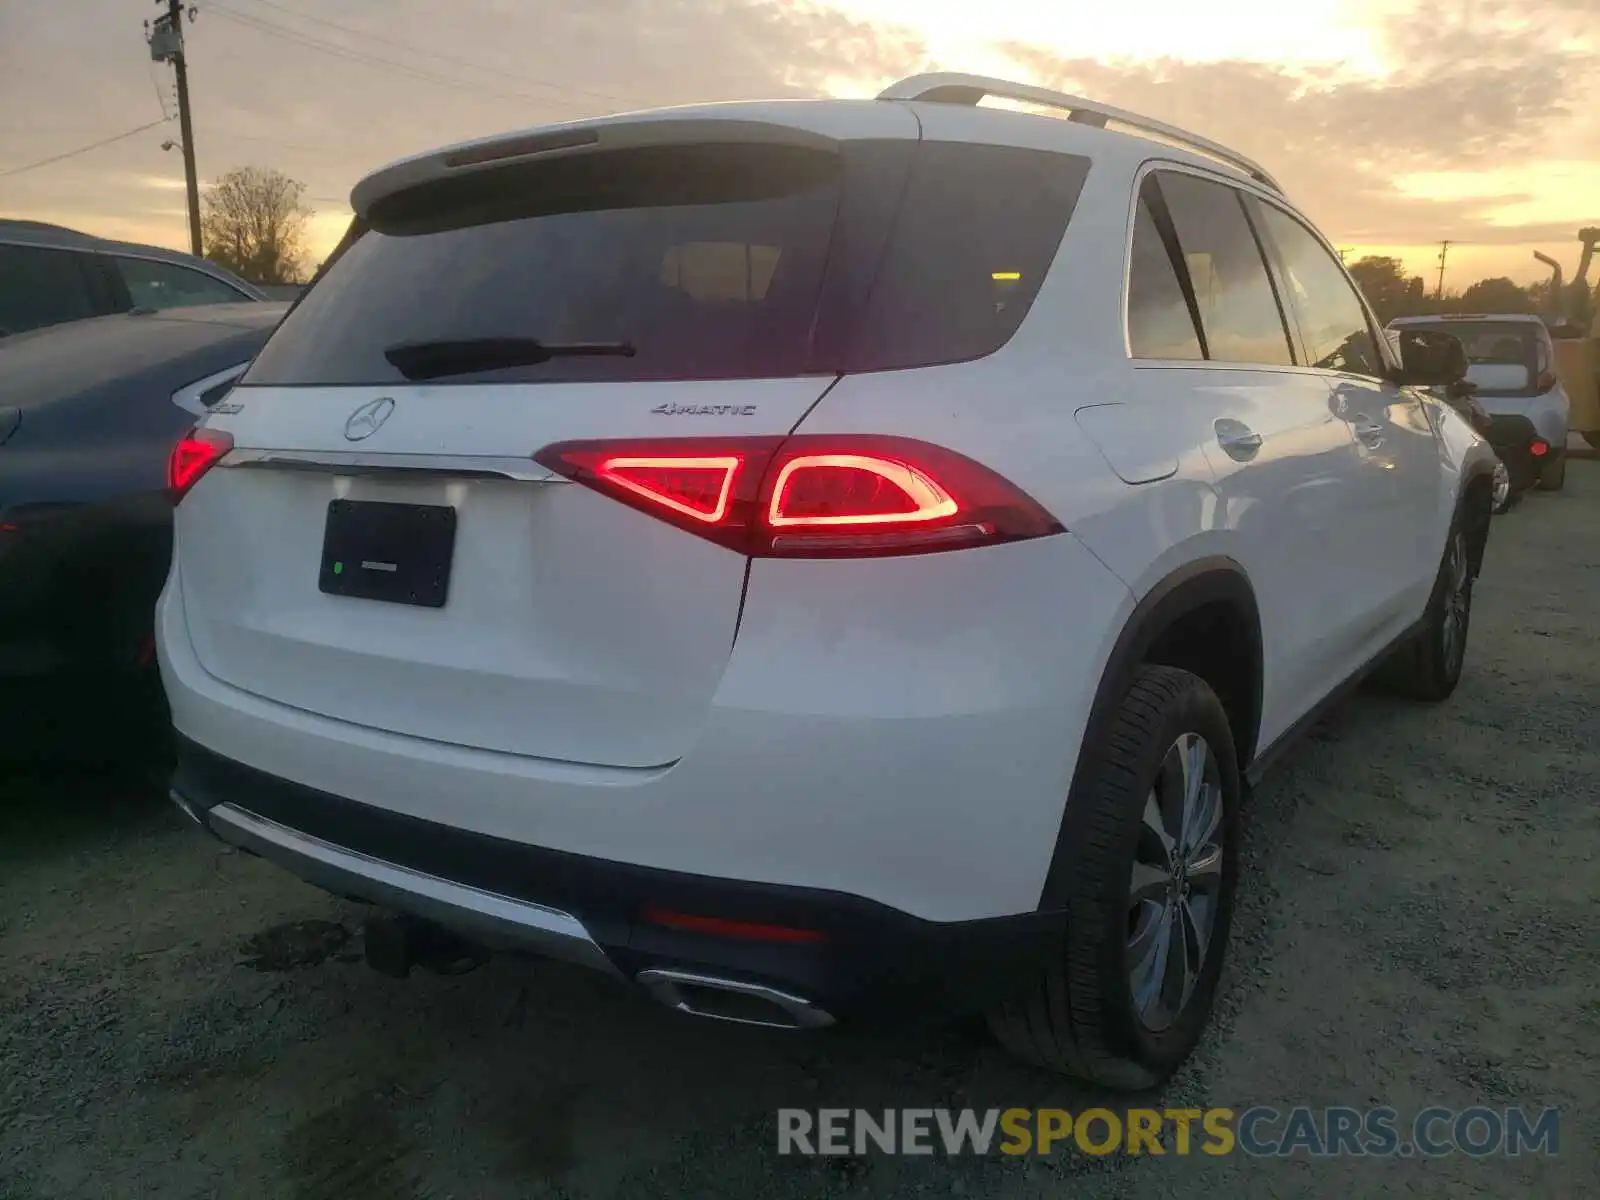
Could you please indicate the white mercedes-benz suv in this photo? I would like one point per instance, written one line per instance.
(814, 559)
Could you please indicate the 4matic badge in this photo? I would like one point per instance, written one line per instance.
(704, 410)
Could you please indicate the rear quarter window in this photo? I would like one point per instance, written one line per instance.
(977, 231)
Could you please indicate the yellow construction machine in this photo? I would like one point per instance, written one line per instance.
(1574, 321)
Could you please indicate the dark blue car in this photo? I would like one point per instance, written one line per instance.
(89, 413)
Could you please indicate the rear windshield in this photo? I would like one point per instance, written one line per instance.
(1504, 358)
(687, 262)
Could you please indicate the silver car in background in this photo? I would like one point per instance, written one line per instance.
(1511, 363)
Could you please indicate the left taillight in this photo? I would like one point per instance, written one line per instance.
(196, 453)
(809, 496)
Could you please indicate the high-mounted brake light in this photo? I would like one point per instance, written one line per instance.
(809, 496)
(196, 453)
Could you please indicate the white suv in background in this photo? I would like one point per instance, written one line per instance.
(814, 560)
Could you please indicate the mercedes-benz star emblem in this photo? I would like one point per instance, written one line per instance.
(367, 419)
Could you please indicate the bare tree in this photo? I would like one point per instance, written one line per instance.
(254, 224)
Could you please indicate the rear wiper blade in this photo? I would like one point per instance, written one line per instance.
(435, 360)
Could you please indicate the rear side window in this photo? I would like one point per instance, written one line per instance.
(1333, 323)
(1159, 322)
(687, 262)
(40, 287)
(1238, 309)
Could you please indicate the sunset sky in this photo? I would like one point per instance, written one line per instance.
(1394, 123)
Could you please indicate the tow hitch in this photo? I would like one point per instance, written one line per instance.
(394, 943)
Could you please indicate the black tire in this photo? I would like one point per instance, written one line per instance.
(1080, 1017)
(1428, 666)
(1554, 477)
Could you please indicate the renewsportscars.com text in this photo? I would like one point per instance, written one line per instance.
(1259, 1131)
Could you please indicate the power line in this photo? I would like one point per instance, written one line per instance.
(515, 77)
(55, 158)
(311, 42)
(343, 153)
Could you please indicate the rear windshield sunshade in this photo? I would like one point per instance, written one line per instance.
(719, 261)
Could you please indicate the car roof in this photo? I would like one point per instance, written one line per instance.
(58, 237)
(46, 364)
(802, 122)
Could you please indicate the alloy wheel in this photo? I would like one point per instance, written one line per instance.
(1176, 883)
(1502, 486)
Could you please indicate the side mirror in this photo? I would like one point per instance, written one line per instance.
(1429, 358)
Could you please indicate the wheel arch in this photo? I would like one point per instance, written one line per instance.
(1190, 599)
(1475, 504)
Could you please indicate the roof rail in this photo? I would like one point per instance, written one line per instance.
(954, 88)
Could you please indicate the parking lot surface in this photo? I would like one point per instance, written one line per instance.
(1417, 927)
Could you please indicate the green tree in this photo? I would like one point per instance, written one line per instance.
(1497, 295)
(254, 224)
(1391, 292)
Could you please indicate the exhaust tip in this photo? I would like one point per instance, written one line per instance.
(732, 1000)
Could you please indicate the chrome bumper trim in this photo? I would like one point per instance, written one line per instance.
(501, 922)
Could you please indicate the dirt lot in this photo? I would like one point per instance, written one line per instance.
(1419, 928)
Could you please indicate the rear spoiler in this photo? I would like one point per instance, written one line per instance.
(663, 129)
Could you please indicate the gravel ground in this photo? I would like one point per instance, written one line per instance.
(1417, 928)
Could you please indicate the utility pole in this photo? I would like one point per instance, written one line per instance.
(166, 45)
(1444, 251)
(1342, 253)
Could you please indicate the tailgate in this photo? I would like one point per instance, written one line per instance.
(572, 627)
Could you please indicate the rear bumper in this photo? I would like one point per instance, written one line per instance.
(902, 730)
(1512, 438)
(861, 960)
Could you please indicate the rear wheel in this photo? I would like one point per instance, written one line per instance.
(1154, 839)
(1501, 495)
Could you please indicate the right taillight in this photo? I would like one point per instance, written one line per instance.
(810, 496)
(196, 453)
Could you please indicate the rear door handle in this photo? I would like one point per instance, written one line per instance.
(1238, 441)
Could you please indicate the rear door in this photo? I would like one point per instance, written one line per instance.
(1284, 464)
(380, 546)
(1396, 511)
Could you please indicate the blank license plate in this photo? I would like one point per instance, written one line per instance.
(399, 553)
